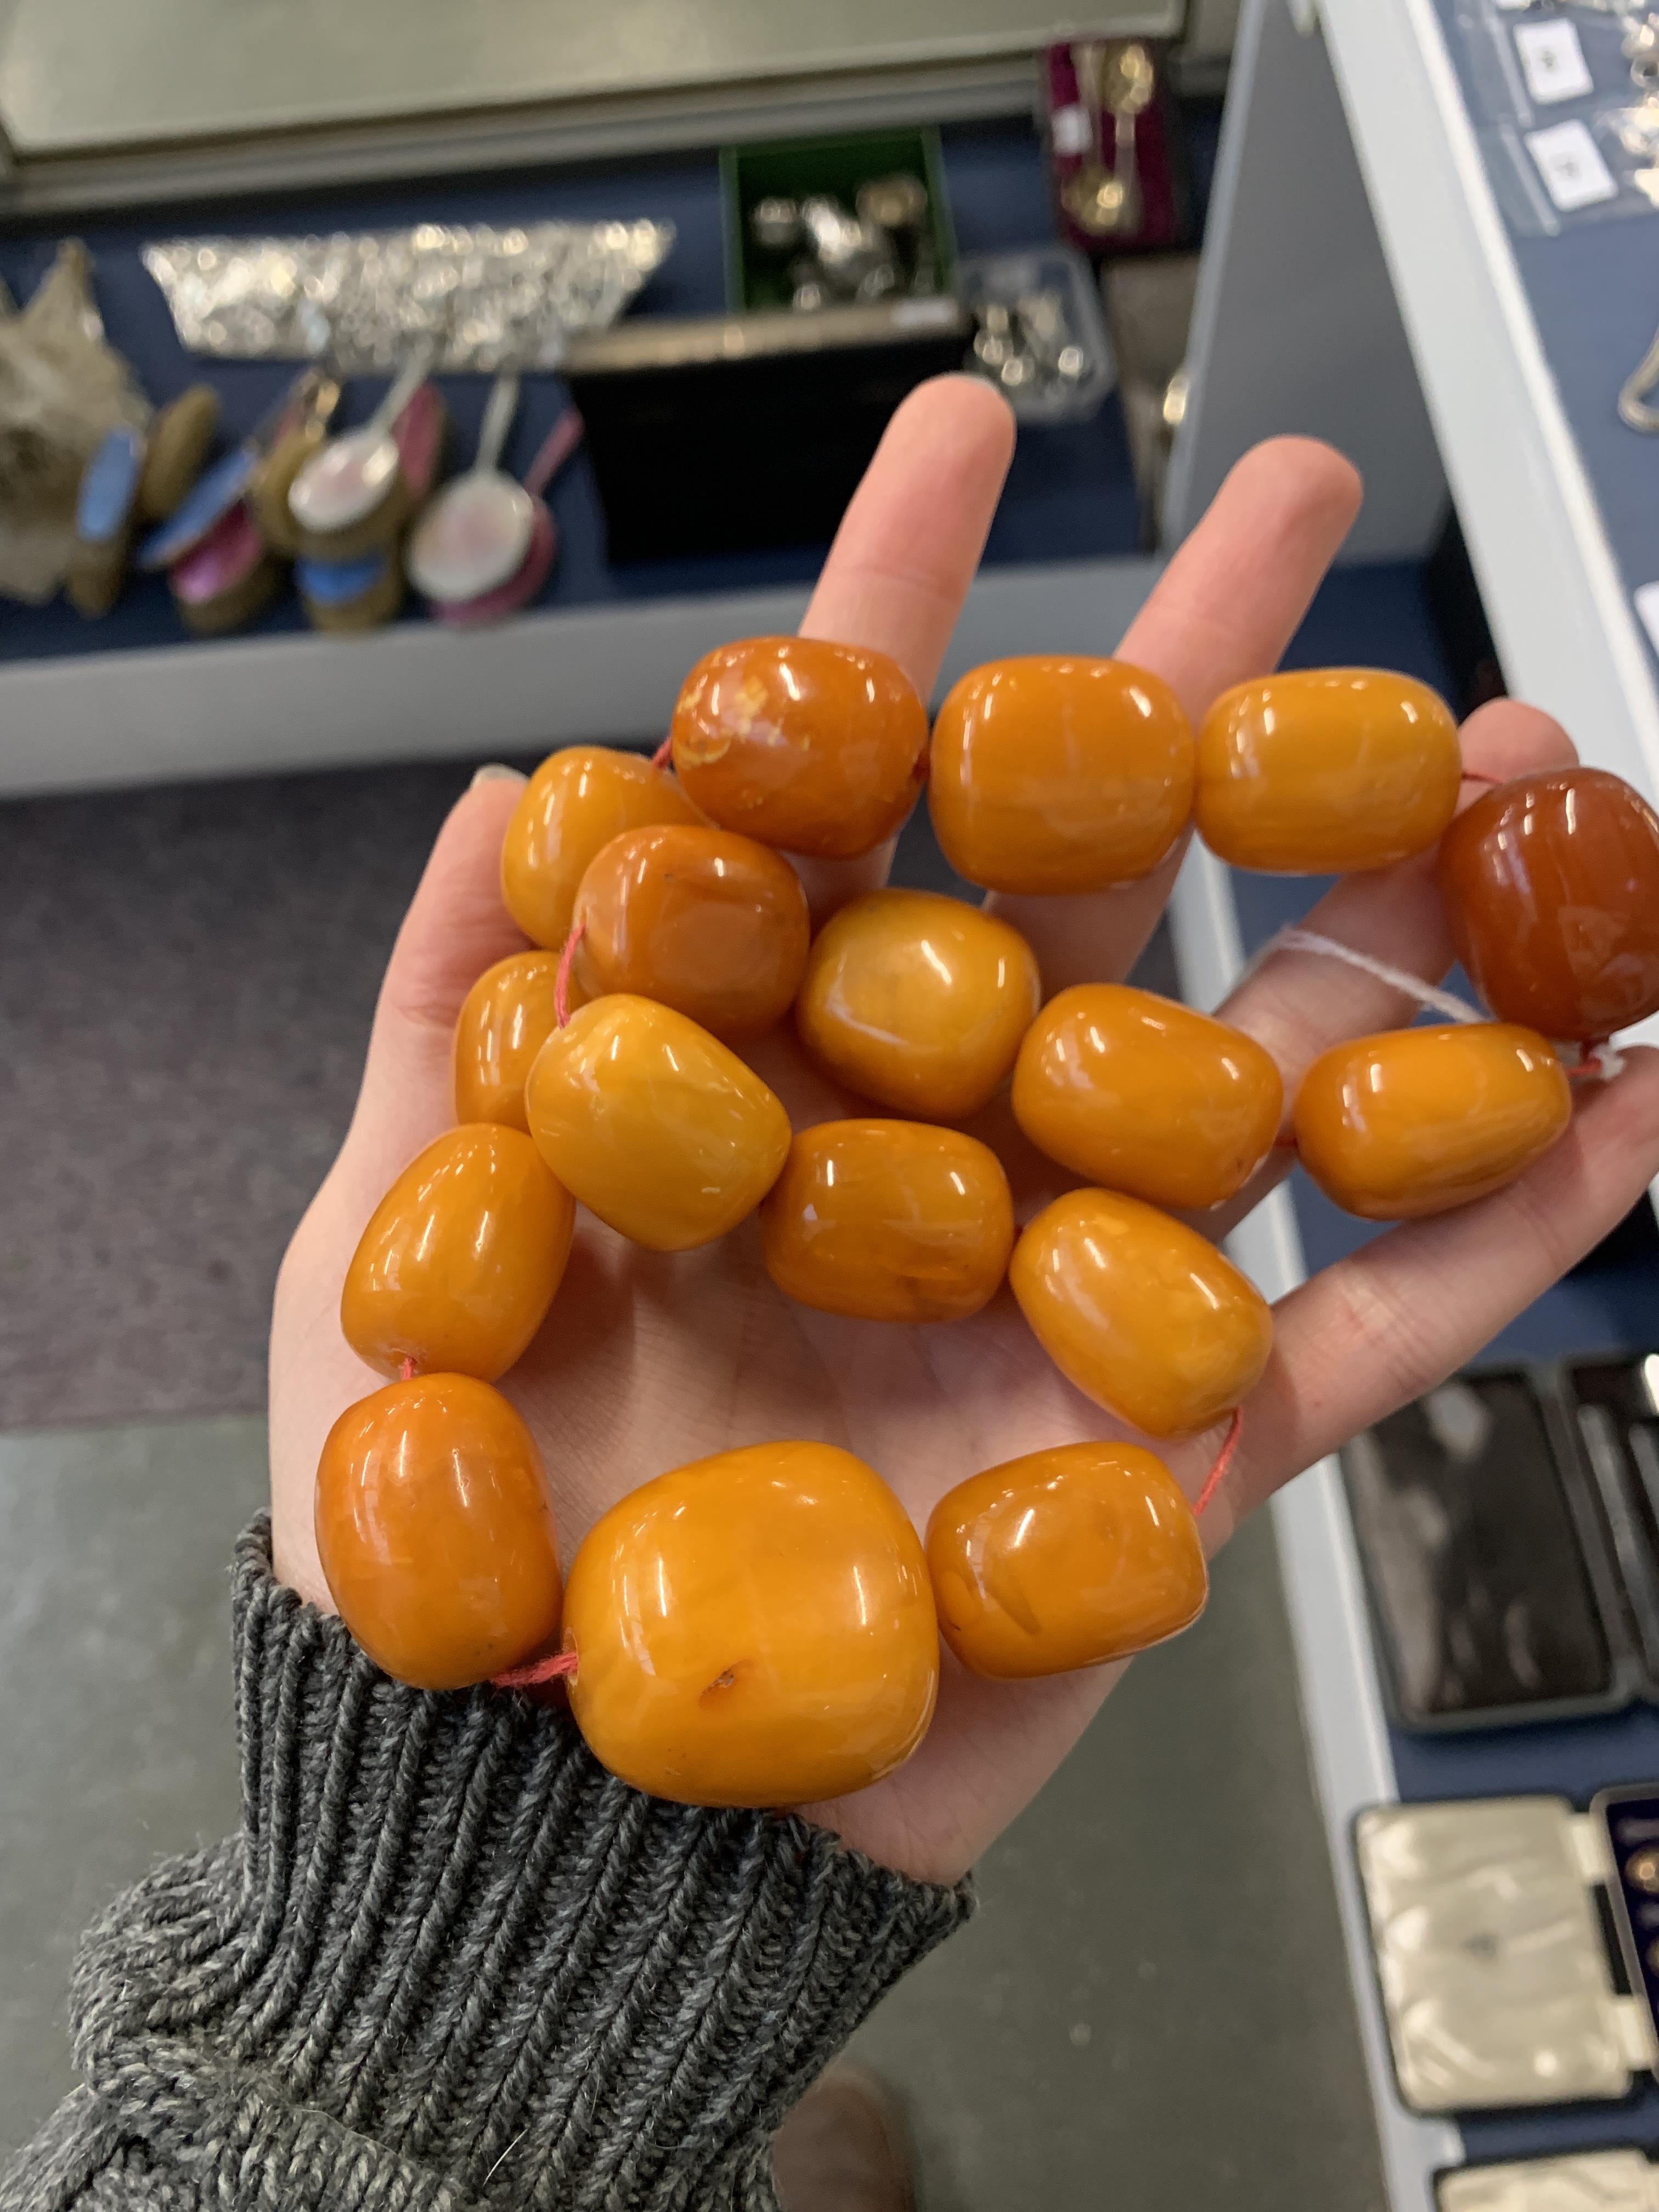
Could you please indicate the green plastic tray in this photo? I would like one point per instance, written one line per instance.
(792, 169)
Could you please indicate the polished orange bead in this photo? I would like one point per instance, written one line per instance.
(820, 748)
(654, 1125)
(1065, 1558)
(1145, 1096)
(1551, 889)
(1055, 773)
(917, 1001)
(458, 1264)
(704, 920)
(1140, 1312)
(575, 803)
(889, 1221)
(754, 1629)
(435, 1532)
(1324, 771)
(506, 1017)
(1416, 1121)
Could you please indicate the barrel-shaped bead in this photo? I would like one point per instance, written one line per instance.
(653, 1124)
(1140, 1312)
(1147, 1097)
(754, 1629)
(889, 1221)
(1414, 1121)
(1319, 771)
(1065, 1558)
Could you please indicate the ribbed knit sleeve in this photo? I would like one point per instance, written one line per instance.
(449, 1962)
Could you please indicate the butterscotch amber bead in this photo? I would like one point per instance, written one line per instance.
(654, 1125)
(889, 1221)
(917, 1001)
(704, 920)
(435, 1532)
(1065, 1558)
(754, 1629)
(1140, 1312)
(460, 1260)
(1054, 773)
(508, 1016)
(575, 803)
(1551, 889)
(820, 748)
(1145, 1096)
(1324, 771)
(1416, 1121)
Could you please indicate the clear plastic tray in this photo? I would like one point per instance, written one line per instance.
(1058, 274)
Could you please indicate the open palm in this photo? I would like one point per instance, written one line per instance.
(648, 1360)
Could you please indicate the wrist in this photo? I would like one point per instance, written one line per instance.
(446, 1933)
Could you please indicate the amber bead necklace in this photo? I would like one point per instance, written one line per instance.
(763, 1627)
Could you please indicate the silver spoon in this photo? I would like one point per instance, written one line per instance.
(347, 479)
(477, 531)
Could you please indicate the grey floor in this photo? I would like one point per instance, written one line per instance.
(1151, 2011)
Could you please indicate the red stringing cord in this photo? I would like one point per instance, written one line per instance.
(1589, 1063)
(538, 1671)
(407, 1372)
(1224, 1460)
(562, 981)
(1474, 775)
(664, 754)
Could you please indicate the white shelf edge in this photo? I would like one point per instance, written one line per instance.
(264, 704)
(1348, 1748)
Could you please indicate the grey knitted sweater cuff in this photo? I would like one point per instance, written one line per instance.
(450, 1962)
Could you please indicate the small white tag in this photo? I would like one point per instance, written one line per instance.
(1647, 605)
(1070, 129)
(1513, 7)
(1552, 62)
(1570, 162)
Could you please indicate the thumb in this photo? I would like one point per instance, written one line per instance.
(457, 925)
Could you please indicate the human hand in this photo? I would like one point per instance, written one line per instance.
(649, 1360)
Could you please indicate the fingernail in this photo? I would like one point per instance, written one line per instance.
(495, 772)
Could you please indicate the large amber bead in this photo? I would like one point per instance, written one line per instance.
(754, 1629)
(1415, 1120)
(820, 748)
(508, 1017)
(701, 919)
(889, 1221)
(458, 1264)
(1324, 771)
(1065, 1558)
(654, 1125)
(435, 1531)
(1551, 889)
(575, 803)
(1147, 1097)
(917, 1001)
(1140, 1312)
(1054, 773)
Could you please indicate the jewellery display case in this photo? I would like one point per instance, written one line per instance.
(1488, 363)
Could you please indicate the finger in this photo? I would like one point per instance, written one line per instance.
(1300, 1004)
(1223, 610)
(905, 555)
(457, 925)
(1375, 1330)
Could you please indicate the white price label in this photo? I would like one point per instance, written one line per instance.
(1071, 131)
(1570, 162)
(1513, 7)
(1552, 62)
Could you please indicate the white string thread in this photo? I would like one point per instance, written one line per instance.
(1603, 1059)
(1410, 986)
